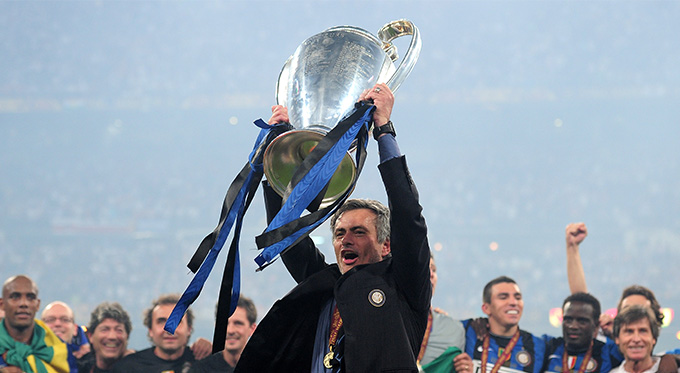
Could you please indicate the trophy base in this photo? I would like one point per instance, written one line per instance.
(286, 153)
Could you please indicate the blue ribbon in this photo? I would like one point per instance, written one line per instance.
(307, 189)
(236, 213)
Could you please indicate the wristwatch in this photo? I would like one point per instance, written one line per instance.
(385, 128)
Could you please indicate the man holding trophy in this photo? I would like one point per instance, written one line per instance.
(368, 312)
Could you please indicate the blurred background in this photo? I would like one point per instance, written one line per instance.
(123, 123)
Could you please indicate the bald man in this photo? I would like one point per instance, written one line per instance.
(26, 344)
(59, 317)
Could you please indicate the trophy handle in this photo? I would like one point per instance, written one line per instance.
(392, 31)
(282, 84)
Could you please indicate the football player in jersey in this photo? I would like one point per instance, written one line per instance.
(578, 350)
(505, 347)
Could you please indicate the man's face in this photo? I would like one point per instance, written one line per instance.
(636, 341)
(578, 325)
(109, 340)
(433, 275)
(239, 330)
(355, 240)
(60, 319)
(166, 342)
(506, 305)
(20, 303)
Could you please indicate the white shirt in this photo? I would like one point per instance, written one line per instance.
(653, 369)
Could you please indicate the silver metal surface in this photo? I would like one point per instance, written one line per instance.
(321, 82)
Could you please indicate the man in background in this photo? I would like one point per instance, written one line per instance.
(27, 344)
(505, 346)
(239, 329)
(170, 352)
(109, 331)
(59, 317)
(578, 349)
(636, 332)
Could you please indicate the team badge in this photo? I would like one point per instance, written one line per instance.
(591, 366)
(376, 297)
(523, 358)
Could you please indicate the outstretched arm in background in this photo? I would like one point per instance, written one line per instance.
(575, 234)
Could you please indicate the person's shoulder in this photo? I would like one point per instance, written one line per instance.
(618, 369)
(527, 333)
(442, 317)
(538, 341)
(212, 363)
(142, 355)
(552, 343)
(188, 355)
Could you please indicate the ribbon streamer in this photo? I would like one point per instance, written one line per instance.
(287, 228)
(239, 196)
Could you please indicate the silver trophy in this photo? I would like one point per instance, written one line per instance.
(321, 82)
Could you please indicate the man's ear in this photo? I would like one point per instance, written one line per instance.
(485, 309)
(386, 248)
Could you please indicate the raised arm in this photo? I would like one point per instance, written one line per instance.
(575, 234)
(409, 245)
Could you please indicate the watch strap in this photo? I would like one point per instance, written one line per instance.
(385, 128)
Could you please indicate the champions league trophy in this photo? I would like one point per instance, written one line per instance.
(321, 82)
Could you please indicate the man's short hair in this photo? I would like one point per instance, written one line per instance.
(645, 292)
(161, 301)
(57, 302)
(112, 311)
(635, 313)
(486, 294)
(587, 299)
(10, 280)
(248, 305)
(382, 215)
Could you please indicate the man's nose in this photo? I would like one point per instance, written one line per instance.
(347, 239)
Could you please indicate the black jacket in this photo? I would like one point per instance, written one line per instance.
(383, 338)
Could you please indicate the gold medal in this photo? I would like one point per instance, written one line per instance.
(327, 360)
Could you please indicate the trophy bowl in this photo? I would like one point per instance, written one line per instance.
(321, 82)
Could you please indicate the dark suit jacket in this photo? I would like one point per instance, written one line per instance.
(377, 338)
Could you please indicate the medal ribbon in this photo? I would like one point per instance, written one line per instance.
(501, 359)
(336, 323)
(584, 363)
(426, 337)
